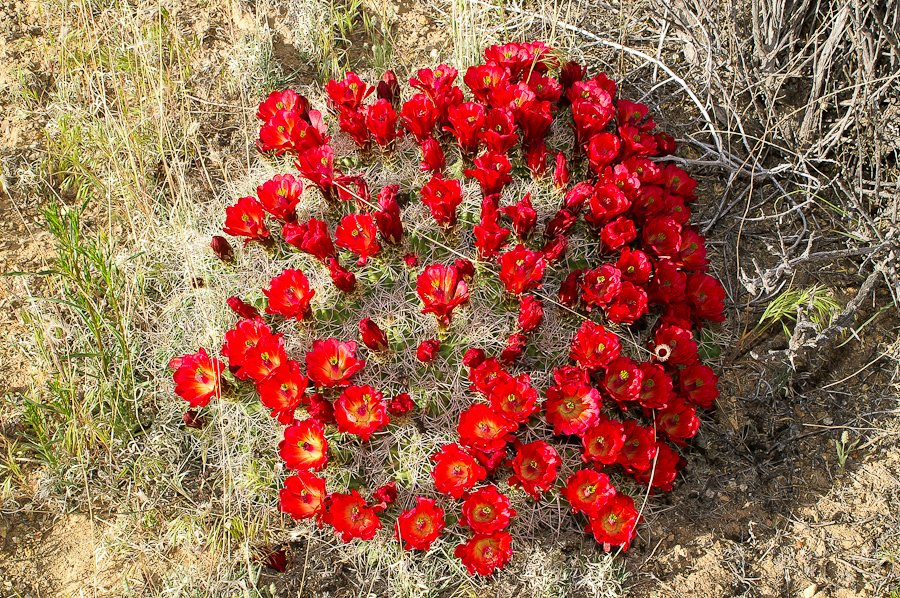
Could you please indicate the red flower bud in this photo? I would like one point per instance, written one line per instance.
(222, 248)
(555, 248)
(561, 175)
(514, 348)
(342, 278)
(428, 350)
(388, 88)
(411, 259)
(372, 336)
(570, 289)
(386, 494)
(473, 358)
(531, 312)
(401, 404)
(433, 159)
(192, 419)
(388, 217)
(243, 310)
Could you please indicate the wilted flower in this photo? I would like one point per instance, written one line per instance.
(222, 248)
(515, 345)
(244, 311)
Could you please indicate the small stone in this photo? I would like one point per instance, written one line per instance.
(809, 592)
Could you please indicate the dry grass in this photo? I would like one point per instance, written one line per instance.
(150, 123)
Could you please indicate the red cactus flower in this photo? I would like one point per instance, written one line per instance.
(665, 145)
(193, 419)
(332, 363)
(311, 237)
(388, 217)
(474, 358)
(303, 496)
(635, 266)
(492, 172)
(281, 100)
(618, 233)
(577, 195)
(244, 336)
(351, 518)
(678, 421)
(629, 305)
(623, 379)
(531, 312)
(536, 159)
(280, 196)
(420, 526)
(490, 238)
(388, 88)
(486, 511)
(523, 217)
(589, 121)
(304, 446)
(360, 410)
(707, 297)
(357, 233)
(289, 294)
(372, 336)
(588, 490)
(483, 79)
(570, 73)
(433, 81)
(639, 449)
(428, 350)
(441, 289)
(602, 150)
(247, 219)
(636, 142)
(320, 409)
(678, 181)
(607, 202)
(222, 248)
(514, 398)
(614, 523)
(697, 383)
(661, 237)
(534, 124)
(593, 347)
(485, 375)
(561, 174)
(630, 113)
(400, 404)
(514, 56)
(545, 89)
(343, 279)
(418, 116)
(485, 553)
(386, 494)
(482, 428)
(656, 386)
(282, 390)
(279, 132)
(411, 260)
(663, 473)
(350, 188)
(465, 268)
(599, 89)
(349, 93)
(198, 378)
(466, 120)
(317, 166)
(263, 358)
(668, 284)
(499, 133)
(572, 407)
(603, 442)
(521, 269)
(674, 345)
(535, 468)
(560, 224)
(353, 123)
(600, 286)
(433, 159)
(569, 289)
(455, 471)
(442, 197)
(692, 255)
(515, 345)
(571, 374)
(381, 119)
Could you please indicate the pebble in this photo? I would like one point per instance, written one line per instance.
(809, 592)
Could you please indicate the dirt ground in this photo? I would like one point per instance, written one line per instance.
(763, 509)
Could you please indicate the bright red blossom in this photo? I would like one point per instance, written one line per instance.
(289, 294)
(247, 219)
(360, 410)
(303, 496)
(572, 407)
(455, 471)
(441, 289)
(304, 446)
(356, 232)
(535, 468)
(614, 523)
(282, 390)
(521, 269)
(332, 363)
(486, 511)
(420, 526)
(198, 378)
(482, 428)
(484, 553)
(588, 490)
(280, 196)
(351, 518)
